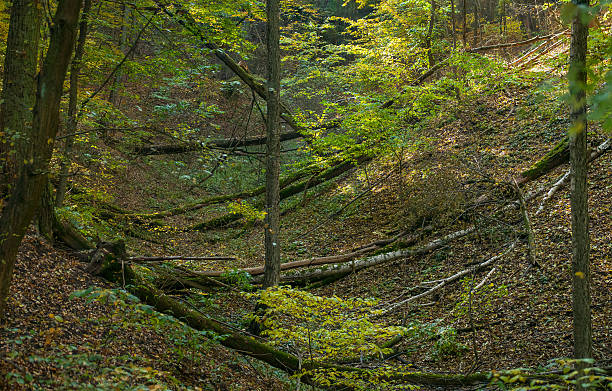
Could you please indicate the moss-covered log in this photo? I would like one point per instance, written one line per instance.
(166, 149)
(284, 182)
(256, 348)
(342, 269)
(554, 158)
(285, 193)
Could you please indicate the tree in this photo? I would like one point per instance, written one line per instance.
(272, 226)
(581, 299)
(31, 162)
(71, 123)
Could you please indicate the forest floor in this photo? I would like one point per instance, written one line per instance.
(522, 317)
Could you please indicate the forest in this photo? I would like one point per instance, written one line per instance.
(305, 195)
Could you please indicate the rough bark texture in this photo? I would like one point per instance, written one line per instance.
(167, 149)
(18, 97)
(272, 220)
(581, 298)
(19, 89)
(554, 158)
(340, 270)
(26, 189)
(71, 124)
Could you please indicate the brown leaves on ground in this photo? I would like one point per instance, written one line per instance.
(54, 342)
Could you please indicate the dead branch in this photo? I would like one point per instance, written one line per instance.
(179, 257)
(531, 253)
(513, 44)
(543, 52)
(555, 187)
(484, 280)
(317, 261)
(166, 149)
(449, 280)
(526, 55)
(341, 269)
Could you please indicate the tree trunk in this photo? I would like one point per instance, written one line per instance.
(453, 29)
(19, 89)
(26, 188)
(113, 97)
(71, 125)
(285, 193)
(18, 97)
(476, 25)
(432, 19)
(581, 298)
(464, 17)
(272, 226)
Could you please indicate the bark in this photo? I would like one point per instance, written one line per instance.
(464, 20)
(531, 246)
(432, 20)
(167, 149)
(453, 29)
(284, 182)
(444, 282)
(123, 43)
(553, 159)
(26, 189)
(107, 264)
(179, 258)
(71, 125)
(285, 193)
(514, 44)
(317, 261)
(343, 269)
(581, 297)
(600, 150)
(19, 89)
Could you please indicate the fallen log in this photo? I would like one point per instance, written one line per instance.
(558, 155)
(343, 269)
(178, 258)
(531, 246)
(318, 261)
(285, 193)
(442, 283)
(250, 346)
(518, 43)
(167, 149)
(284, 182)
(600, 150)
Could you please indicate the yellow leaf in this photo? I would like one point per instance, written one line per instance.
(580, 275)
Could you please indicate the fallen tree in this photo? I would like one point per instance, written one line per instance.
(105, 262)
(445, 281)
(167, 149)
(518, 43)
(342, 269)
(288, 180)
(288, 191)
(316, 261)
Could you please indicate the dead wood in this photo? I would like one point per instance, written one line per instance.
(518, 43)
(167, 149)
(285, 193)
(600, 150)
(256, 348)
(444, 282)
(178, 258)
(204, 202)
(341, 269)
(531, 253)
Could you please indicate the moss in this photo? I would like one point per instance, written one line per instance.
(556, 156)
